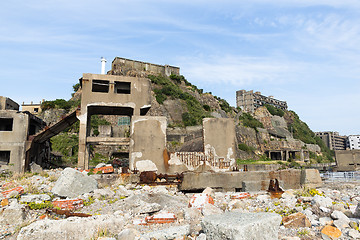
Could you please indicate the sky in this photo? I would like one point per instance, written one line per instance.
(301, 51)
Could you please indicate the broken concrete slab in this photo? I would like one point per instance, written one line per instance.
(35, 198)
(242, 226)
(71, 228)
(73, 183)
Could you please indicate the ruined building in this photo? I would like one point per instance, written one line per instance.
(249, 101)
(33, 108)
(16, 132)
(333, 140)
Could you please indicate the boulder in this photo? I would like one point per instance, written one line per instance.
(209, 209)
(73, 183)
(354, 234)
(325, 221)
(241, 226)
(169, 233)
(35, 168)
(296, 220)
(103, 193)
(339, 215)
(13, 214)
(128, 234)
(72, 228)
(322, 201)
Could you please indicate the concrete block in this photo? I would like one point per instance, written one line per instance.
(242, 226)
(310, 178)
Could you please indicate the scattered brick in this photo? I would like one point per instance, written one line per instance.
(200, 199)
(69, 204)
(164, 217)
(240, 195)
(19, 189)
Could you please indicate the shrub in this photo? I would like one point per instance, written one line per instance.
(246, 148)
(249, 121)
(274, 111)
(206, 107)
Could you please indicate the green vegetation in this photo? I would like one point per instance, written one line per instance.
(302, 132)
(249, 121)
(168, 89)
(67, 145)
(246, 148)
(38, 206)
(96, 121)
(274, 111)
(224, 104)
(96, 159)
(60, 104)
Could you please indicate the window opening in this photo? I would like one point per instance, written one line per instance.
(6, 124)
(122, 87)
(100, 86)
(4, 157)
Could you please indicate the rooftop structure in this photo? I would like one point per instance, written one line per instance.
(8, 104)
(249, 101)
(128, 67)
(33, 108)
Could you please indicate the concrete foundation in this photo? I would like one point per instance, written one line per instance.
(233, 181)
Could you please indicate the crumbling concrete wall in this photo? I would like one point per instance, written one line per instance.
(128, 67)
(347, 160)
(220, 140)
(13, 142)
(231, 181)
(109, 95)
(147, 144)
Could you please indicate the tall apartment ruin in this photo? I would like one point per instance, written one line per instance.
(249, 101)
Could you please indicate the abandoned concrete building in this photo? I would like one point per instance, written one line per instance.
(16, 133)
(249, 101)
(333, 140)
(347, 160)
(33, 108)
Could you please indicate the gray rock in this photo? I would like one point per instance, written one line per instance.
(169, 233)
(354, 234)
(339, 215)
(35, 168)
(322, 201)
(103, 193)
(122, 191)
(341, 223)
(13, 214)
(35, 198)
(241, 226)
(201, 236)
(144, 207)
(72, 228)
(73, 183)
(210, 209)
(128, 234)
(357, 211)
(325, 221)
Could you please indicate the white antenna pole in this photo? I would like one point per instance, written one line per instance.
(103, 62)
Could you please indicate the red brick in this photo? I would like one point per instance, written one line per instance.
(19, 189)
(69, 204)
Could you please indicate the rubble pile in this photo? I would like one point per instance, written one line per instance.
(34, 207)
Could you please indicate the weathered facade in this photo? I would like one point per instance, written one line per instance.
(127, 67)
(33, 108)
(347, 160)
(333, 140)
(16, 131)
(249, 101)
(109, 95)
(8, 104)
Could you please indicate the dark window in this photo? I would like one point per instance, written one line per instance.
(122, 87)
(4, 157)
(6, 124)
(36, 109)
(100, 86)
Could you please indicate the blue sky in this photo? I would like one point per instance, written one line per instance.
(304, 52)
